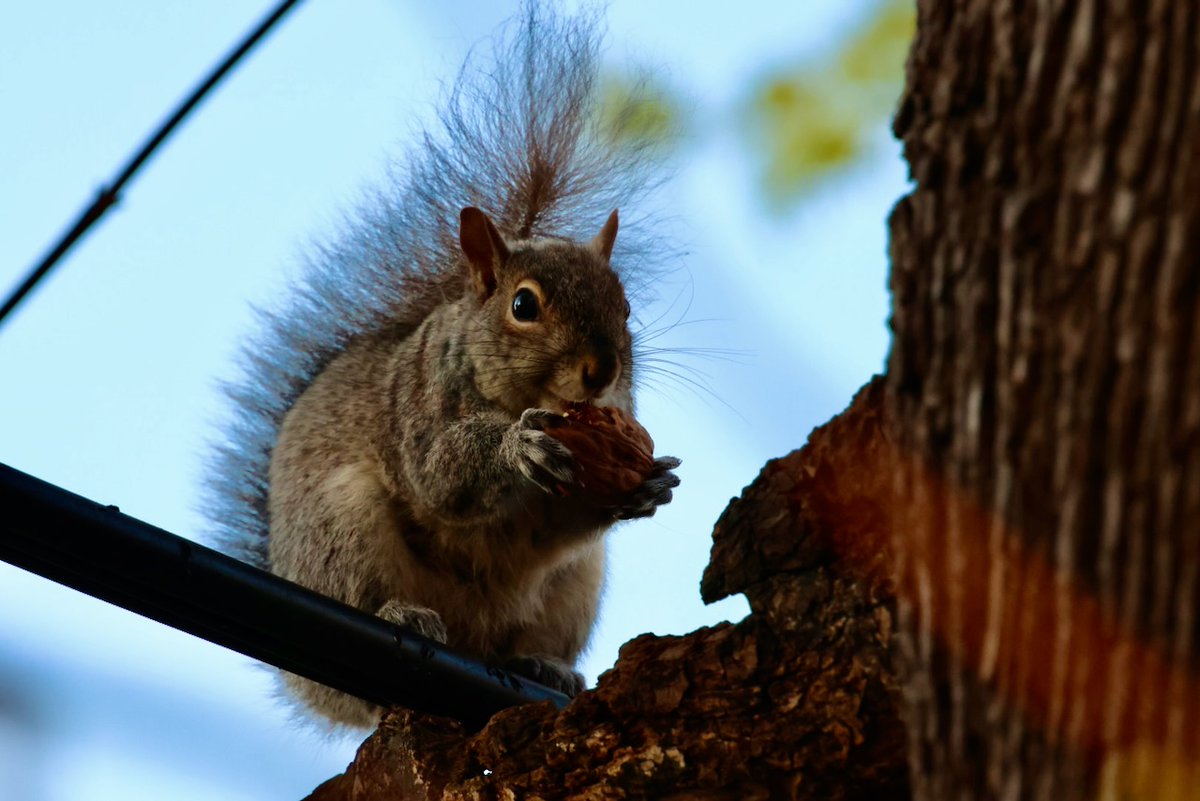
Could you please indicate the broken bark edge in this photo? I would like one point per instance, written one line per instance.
(798, 700)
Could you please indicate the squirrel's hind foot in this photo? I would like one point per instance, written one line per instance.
(418, 619)
(554, 673)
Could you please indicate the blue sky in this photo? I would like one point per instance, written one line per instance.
(108, 374)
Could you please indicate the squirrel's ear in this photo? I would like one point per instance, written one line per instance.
(603, 243)
(484, 248)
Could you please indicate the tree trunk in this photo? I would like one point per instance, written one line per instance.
(1044, 391)
(1021, 490)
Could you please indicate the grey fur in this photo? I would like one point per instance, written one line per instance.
(385, 446)
(516, 139)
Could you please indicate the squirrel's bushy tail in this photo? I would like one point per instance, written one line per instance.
(518, 137)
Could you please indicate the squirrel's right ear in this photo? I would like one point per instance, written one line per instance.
(484, 248)
(603, 243)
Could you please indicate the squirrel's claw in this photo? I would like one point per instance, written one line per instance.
(654, 491)
(539, 419)
(665, 464)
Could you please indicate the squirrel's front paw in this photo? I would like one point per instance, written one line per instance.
(538, 456)
(654, 491)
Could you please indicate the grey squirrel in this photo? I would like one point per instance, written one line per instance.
(386, 446)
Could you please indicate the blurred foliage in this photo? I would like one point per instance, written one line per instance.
(809, 120)
(801, 122)
(638, 112)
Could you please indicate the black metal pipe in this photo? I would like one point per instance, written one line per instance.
(100, 551)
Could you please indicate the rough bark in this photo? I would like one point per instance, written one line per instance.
(1044, 388)
(796, 701)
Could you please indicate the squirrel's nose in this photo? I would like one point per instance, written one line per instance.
(600, 371)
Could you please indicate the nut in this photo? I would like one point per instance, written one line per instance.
(613, 453)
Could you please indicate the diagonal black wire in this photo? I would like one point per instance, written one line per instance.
(110, 194)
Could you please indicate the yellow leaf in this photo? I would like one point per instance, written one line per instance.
(877, 52)
(634, 112)
(811, 120)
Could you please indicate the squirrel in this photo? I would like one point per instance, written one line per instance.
(386, 446)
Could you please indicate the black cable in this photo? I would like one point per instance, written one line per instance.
(110, 194)
(100, 551)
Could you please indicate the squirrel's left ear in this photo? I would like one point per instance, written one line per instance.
(603, 243)
(484, 249)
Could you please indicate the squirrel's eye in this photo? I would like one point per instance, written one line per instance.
(627, 310)
(525, 305)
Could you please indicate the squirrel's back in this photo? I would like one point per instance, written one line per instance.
(518, 137)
